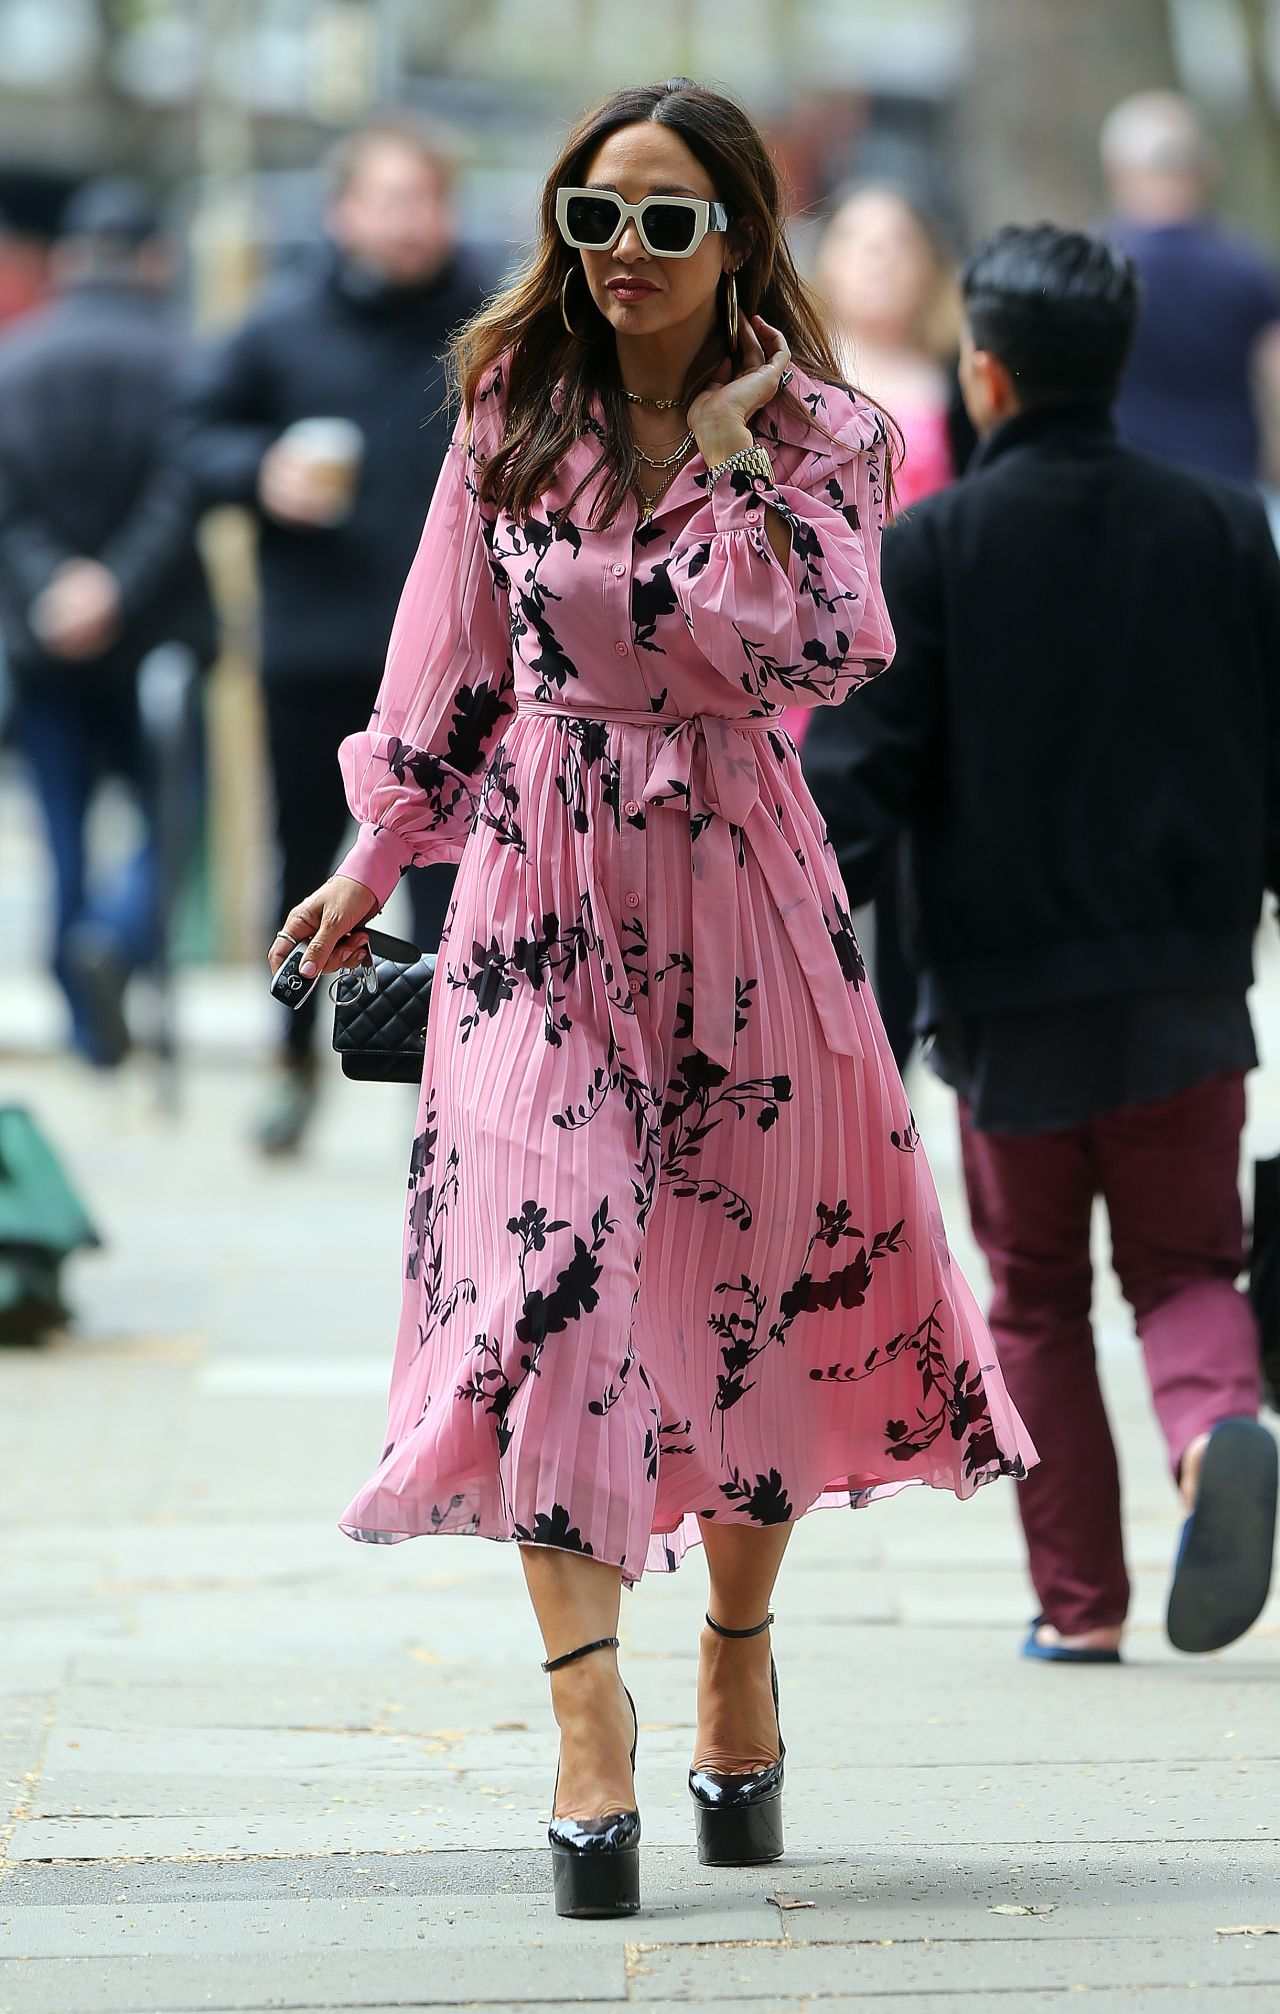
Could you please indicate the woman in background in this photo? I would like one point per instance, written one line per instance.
(888, 278)
(884, 270)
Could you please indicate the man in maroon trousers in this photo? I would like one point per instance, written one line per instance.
(1080, 739)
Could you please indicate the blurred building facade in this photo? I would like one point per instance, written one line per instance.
(990, 107)
(87, 84)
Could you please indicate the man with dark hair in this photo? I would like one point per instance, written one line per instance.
(1080, 738)
(354, 338)
(98, 566)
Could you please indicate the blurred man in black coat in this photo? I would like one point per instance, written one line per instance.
(98, 565)
(1080, 738)
(357, 334)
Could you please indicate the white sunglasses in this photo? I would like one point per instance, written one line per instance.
(669, 227)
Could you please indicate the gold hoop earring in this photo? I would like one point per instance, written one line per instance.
(564, 312)
(731, 308)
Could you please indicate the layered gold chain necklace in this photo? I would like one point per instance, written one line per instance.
(649, 500)
(673, 461)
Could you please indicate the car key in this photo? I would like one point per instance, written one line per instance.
(290, 983)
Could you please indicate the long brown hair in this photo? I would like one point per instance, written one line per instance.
(523, 320)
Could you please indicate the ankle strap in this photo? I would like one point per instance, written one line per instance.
(758, 1629)
(583, 1650)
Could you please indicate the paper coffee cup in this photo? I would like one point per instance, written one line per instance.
(334, 449)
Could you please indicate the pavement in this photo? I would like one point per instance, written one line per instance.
(252, 1765)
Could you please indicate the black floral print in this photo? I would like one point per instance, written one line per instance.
(543, 960)
(764, 1500)
(586, 750)
(493, 1381)
(700, 1098)
(953, 1398)
(553, 1528)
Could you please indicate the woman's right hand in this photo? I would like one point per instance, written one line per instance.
(329, 921)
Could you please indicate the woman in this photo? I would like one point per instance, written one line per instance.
(884, 271)
(674, 1263)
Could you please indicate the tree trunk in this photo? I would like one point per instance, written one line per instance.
(1043, 75)
(1252, 145)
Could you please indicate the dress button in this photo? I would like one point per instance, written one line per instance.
(631, 807)
(632, 899)
(754, 516)
(619, 568)
(622, 648)
(634, 983)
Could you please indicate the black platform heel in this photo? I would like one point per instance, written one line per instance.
(739, 1816)
(595, 1862)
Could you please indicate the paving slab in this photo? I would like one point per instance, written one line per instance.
(924, 1880)
(856, 1806)
(589, 1971)
(672, 1879)
(1156, 1705)
(349, 1830)
(897, 1897)
(1239, 1999)
(24, 1719)
(996, 1965)
(400, 2007)
(1242, 1999)
(459, 1924)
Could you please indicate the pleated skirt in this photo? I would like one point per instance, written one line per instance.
(643, 1288)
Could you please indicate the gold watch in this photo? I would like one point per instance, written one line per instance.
(755, 459)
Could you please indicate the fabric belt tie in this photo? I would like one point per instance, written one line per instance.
(707, 767)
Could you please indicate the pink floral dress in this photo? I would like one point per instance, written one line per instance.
(927, 466)
(672, 1248)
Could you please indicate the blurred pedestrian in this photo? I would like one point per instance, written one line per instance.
(98, 566)
(1079, 738)
(674, 1267)
(1207, 349)
(886, 273)
(24, 269)
(323, 412)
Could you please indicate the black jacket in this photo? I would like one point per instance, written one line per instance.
(86, 473)
(1080, 733)
(330, 341)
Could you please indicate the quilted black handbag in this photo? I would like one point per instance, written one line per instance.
(380, 1012)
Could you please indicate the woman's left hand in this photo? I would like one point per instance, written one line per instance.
(728, 402)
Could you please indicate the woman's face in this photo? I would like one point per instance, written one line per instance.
(649, 160)
(877, 266)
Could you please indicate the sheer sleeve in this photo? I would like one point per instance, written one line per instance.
(413, 776)
(806, 633)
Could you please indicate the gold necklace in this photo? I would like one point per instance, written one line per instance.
(665, 463)
(663, 405)
(650, 504)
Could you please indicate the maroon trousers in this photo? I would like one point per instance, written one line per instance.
(1168, 1175)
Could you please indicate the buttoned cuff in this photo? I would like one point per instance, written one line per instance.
(738, 500)
(378, 859)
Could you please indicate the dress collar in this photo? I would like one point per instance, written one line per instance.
(852, 422)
